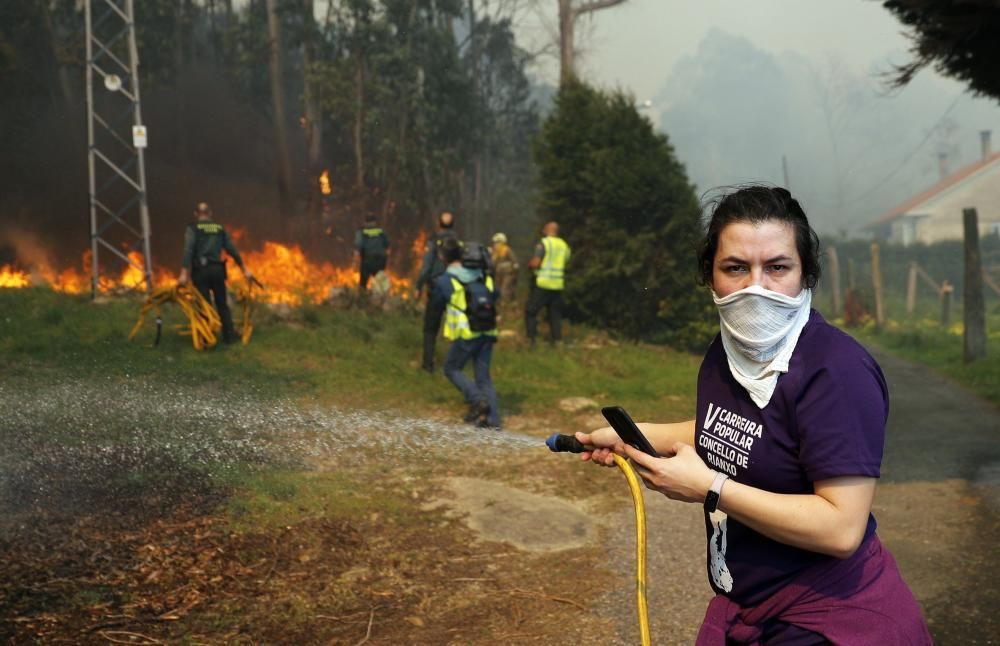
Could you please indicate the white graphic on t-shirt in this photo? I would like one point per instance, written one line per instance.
(728, 439)
(717, 552)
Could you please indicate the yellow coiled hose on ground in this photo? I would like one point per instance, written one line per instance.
(559, 443)
(203, 323)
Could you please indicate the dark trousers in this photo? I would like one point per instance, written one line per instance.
(551, 301)
(370, 267)
(480, 351)
(211, 282)
(432, 325)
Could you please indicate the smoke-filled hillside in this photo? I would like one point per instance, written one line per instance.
(411, 108)
(853, 148)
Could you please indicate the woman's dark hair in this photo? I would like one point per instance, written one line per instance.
(757, 204)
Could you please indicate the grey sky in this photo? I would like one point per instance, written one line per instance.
(657, 49)
(636, 45)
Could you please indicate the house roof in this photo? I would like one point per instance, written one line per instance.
(951, 180)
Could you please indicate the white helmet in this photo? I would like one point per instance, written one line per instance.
(499, 237)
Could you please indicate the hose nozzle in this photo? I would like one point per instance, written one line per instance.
(564, 444)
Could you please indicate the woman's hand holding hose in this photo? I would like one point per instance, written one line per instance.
(606, 443)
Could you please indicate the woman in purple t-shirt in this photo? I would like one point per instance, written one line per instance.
(785, 448)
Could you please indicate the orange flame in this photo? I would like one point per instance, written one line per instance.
(289, 275)
(10, 277)
(324, 182)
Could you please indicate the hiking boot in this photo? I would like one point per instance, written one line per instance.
(478, 412)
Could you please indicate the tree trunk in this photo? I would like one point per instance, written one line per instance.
(65, 86)
(568, 15)
(312, 127)
(284, 158)
(359, 120)
(567, 23)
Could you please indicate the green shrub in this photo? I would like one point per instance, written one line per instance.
(626, 208)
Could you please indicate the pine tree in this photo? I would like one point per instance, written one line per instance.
(627, 209)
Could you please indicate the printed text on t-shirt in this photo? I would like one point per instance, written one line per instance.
(728, 439)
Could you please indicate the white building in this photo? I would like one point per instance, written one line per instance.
(936, 214)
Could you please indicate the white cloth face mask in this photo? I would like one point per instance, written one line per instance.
(759, 330)
(758, 321)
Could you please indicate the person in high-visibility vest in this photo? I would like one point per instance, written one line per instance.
(466, 294)
(549, 263)
(433, 266)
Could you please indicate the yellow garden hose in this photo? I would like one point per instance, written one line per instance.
(203, 321)
(640, 547)
(570, 444)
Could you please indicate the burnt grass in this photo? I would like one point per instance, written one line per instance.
(117, 526)
(124, 565)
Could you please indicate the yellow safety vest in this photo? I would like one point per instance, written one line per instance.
(551, 271)
(456, 323)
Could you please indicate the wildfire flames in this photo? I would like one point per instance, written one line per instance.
(289, 276)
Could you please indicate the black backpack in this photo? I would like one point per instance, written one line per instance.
(476, 256)
(480, 306)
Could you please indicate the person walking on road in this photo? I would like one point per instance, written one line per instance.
(371, 250)
(549, 263)
(202, 263)
(505, 269)
(466, 294)
(433, 266)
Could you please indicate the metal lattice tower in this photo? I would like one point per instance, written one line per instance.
(119, 215)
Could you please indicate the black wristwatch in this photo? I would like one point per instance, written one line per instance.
(714, 492)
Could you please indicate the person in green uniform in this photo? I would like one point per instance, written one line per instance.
(203, 265)
(371, 249)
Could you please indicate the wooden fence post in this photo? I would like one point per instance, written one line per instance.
(946, 292)
(835, 279)
(911, 289)
(974, 307)
(877, 285)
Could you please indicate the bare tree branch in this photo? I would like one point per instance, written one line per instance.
(597, 5)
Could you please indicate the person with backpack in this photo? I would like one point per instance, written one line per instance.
(202, 262)
(432, 267)
(466, 295)
(371, 249)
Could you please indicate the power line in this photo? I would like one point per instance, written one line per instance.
(906, 159)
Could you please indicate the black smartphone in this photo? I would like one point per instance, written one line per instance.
(627, 430)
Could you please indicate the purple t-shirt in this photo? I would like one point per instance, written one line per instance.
(826, 419)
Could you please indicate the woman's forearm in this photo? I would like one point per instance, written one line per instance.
(831, 521)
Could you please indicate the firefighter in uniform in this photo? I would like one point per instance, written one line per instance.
(202, 263)
(432, 267)
(549, 262)
(371, 248)
(505, 267)
(466, 295)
